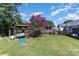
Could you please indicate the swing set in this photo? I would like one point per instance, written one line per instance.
(13, 31)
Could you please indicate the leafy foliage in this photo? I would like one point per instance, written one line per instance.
(37, 23)
(8, 16)
(35, 33)
(49, 24)
(37, 20)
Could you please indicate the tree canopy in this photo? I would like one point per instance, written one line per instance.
(40, 21)
(50, 24)
(9, 16)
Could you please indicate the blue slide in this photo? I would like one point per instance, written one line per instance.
(22, 40)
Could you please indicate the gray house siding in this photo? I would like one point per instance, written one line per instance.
(71, 28)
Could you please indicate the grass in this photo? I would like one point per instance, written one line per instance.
(47, 45)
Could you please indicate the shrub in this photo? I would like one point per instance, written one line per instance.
(35, 33)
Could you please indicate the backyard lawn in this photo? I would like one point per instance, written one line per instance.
(47, 45)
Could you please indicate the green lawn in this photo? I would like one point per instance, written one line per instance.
(47, 45)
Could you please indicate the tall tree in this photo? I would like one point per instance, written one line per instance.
(50, 24)
(8, 16)
(37, 20)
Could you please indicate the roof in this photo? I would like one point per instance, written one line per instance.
(20, 25)
(72, 23)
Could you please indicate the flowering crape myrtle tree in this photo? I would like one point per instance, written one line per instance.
(37, 22)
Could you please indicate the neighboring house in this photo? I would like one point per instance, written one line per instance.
(70, 28)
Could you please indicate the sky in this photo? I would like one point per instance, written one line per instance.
(56, 12)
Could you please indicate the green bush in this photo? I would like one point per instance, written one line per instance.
(35, 33)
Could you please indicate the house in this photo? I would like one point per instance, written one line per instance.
(70, 28)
